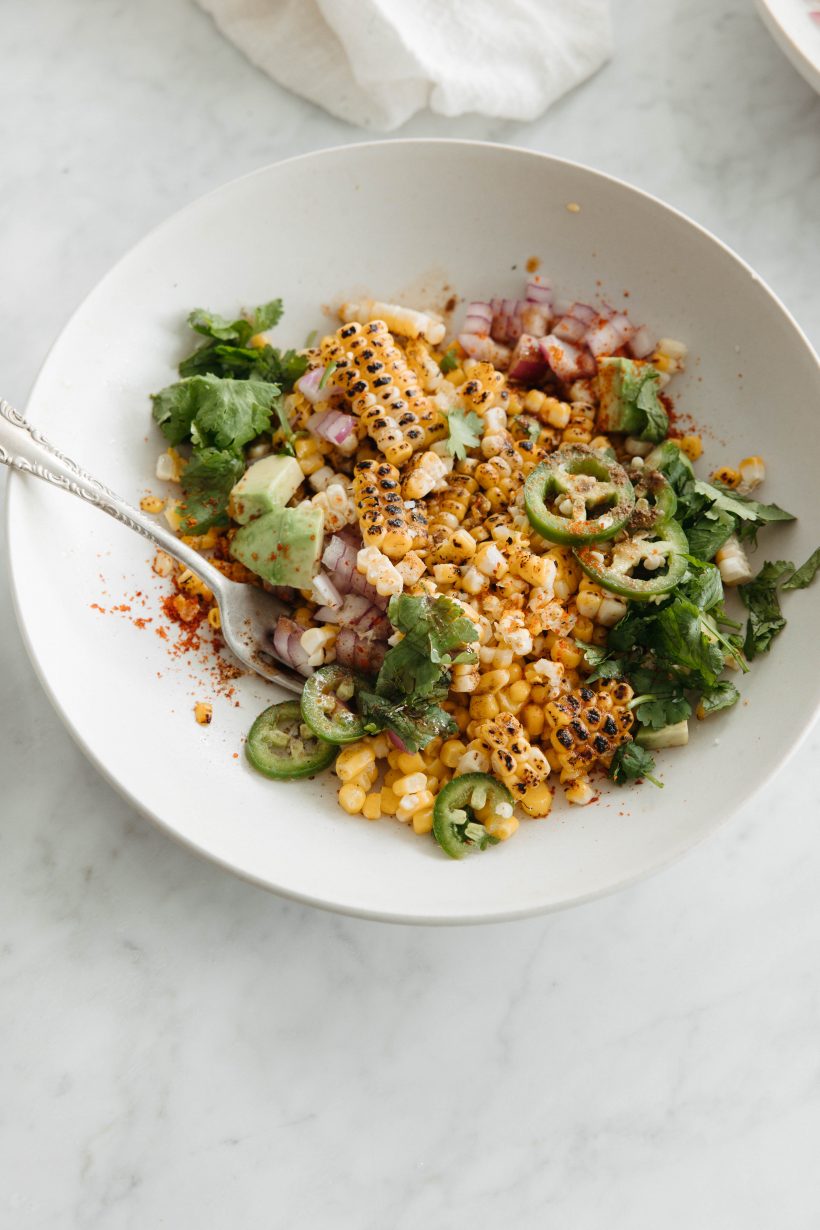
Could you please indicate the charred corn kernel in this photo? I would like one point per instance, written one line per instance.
(336, 503)
(484, 388)
(372, 807)
(411, 569)
(191, 584)
(351, 798)
(382, 389)
(406, 322)
(388, 800)
(456, 548)
(201, 542)
(752, 473)
(555, 413)
(353, 759)
(692, 446)
(446, 574)
(152, 504)
(727, 476)
(465, 677)
(567, 572)
(566, 652)
(537, 801)
(532, 719)
(203, 712)
(410, 783)
(587, 726)
(513, 758)
(512, 631)
(451, 752)
(476, 759)
(579, 792)
(410, 762)
(584, 628)
(491, 681)
(489, 561)
(484, 707)
(519, 693)
(473, 581)
(423, 474)
(214, 618)
(163, 564)
(380, 508)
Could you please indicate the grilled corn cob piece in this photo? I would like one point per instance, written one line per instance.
(512, 757)
(407, 322)
(382, 389)
(586, 726)
(384, 521)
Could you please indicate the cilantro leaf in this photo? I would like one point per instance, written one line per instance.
(641, 406)
(219, 328)
(659, 709)
(704, 588)
(449, 360)
(415, 676)
(604, 665)
(722, 696)
(206, 483)
(741, 507)
(805, 574)
(466, 429)
(760, 598)
(214, 413)
(246, 362)
(415, 724)
(683, 635)
(708, 532)
(631, 761)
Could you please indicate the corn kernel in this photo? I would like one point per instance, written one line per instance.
(726, 475)
(203, 712)
(501, 827)
(580, 793)
(389, 801)
(483, 707)
(372, 807)
(451, 752)
(565, 652)
(152, 504)
(532, 719)
(423, 820)
(410, 783)
(537, 800)
(351, 798)
(410, 762)
(352, 760)
(692, 446)
(214, 618)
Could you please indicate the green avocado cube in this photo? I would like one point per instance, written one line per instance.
(265, 485)
(282, 546)
(628, 399)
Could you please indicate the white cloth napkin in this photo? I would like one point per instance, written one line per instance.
(376, 62)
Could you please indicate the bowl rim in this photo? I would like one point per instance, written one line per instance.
(15, 483)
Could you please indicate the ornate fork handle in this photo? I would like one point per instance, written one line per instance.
(25, 448)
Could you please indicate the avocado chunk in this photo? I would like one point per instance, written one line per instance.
(282, 546)
(265, 485)
(629, 402)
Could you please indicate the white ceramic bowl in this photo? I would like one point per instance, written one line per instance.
(408, 220)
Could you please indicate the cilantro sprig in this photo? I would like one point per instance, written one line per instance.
(415, 674)
(466, 429)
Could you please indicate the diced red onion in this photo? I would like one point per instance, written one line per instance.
(479, 317)
(624, 327)
(325, 592)
(308, 384)
(332, 425)
(287, 642)
(569, 329)
(354, 606)
(339, 559)
(507, 324)
(327, 615)
(584, 313)
(603, 338)
(642, 342)
(361, 654)
(566, 360)
(478, 346)
(527, 363)
(396, 741)
(539, 290)
(535, 319)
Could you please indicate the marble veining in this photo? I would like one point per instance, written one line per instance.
(181, 1049)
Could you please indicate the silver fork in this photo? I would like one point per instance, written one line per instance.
(248, 614)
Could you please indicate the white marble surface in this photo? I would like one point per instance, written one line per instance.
(179, 1049)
